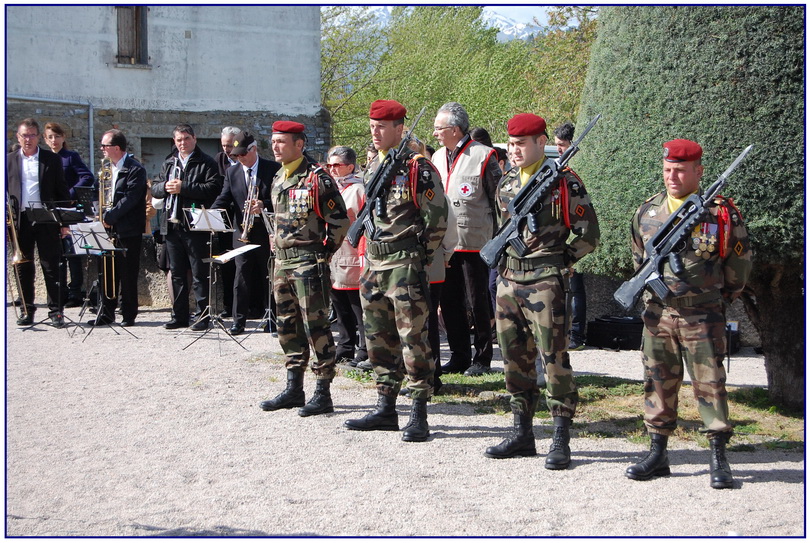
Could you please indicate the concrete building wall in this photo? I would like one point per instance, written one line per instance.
(209, 66)
(201, 58)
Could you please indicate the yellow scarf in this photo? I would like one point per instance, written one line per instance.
(674, 203)
(290, 167)
(527, 173)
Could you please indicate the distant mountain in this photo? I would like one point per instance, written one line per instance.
(508, 29)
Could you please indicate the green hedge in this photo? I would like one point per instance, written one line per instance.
(724, 76)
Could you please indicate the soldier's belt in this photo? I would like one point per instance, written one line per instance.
(526, 264)
(296, 252)
(380, 248)
(691, 301)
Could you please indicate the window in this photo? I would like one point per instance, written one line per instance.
(132, 44)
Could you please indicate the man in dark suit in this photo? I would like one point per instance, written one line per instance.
(238, 180)
(197, 185)
(35, 175)
(126, 219)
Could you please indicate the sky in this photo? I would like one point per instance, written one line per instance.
(521, 14)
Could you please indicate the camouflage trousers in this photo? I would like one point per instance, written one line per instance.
(695, 335)
(530, 319)
(302, 317)
(395, 312)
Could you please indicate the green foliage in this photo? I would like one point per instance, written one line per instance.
(724, 76)
(759, 399)
(430, 55)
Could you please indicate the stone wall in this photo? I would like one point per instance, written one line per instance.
(142, 125)
(152, 291)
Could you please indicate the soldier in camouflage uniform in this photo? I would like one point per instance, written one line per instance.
(531, 314)
(311, 222)
(689, 325)
(394, 287)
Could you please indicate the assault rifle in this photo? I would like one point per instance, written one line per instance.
(527, 202)
(377, 188)
(669, 241)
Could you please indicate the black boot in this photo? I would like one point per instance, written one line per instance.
(417, 428)
(656, 463)
(384, 416)
(520, 443)
(292, 396)
(559, 455)
(721, 471)
(321, 401)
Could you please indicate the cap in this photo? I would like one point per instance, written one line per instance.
(291, 127)
(243, 144)
(526, 124)
(682, 151)
(387, 110)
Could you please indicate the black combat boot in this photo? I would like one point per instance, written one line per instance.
(721, 471)
(417, 428)
(520, 442)
(321, 401)
(292, 396)
(384, 416)
(559, 454)
(656, 463)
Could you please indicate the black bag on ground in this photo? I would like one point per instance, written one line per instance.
(617, 333)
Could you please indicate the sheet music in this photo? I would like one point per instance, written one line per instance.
(91, 238)
(208, 220)
(230, 255)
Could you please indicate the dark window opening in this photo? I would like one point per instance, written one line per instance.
(132, 44)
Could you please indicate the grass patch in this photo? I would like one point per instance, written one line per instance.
(612, 407)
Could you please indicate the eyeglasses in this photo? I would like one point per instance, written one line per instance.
(335, 165)
(440, 128)
(106, 145)
(28, 136)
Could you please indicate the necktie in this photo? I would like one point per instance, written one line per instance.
(249, 177)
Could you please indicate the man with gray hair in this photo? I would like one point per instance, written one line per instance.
(223, 240)
(470, 175)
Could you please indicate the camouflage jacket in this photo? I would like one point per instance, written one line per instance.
(415, 209)
(310, 215)
(716, 257)
(557, 222)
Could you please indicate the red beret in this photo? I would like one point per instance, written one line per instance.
(288, 126)
(682, 151)
(525, 124)
(386, 110)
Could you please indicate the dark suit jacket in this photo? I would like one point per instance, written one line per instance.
(77, 174)
(234, 192)
(127, 216)
(52, 187)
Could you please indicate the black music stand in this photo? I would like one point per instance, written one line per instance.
(268, 317)
(94, 240)
(61, 214)
(211, 221)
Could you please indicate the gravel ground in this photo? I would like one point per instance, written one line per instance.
(109, 435)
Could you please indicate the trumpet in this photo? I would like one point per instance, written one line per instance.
(173, 200)
(17, 258)
(106, 193)
(247, 215)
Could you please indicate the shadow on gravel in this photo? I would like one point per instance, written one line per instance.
(216, 531)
